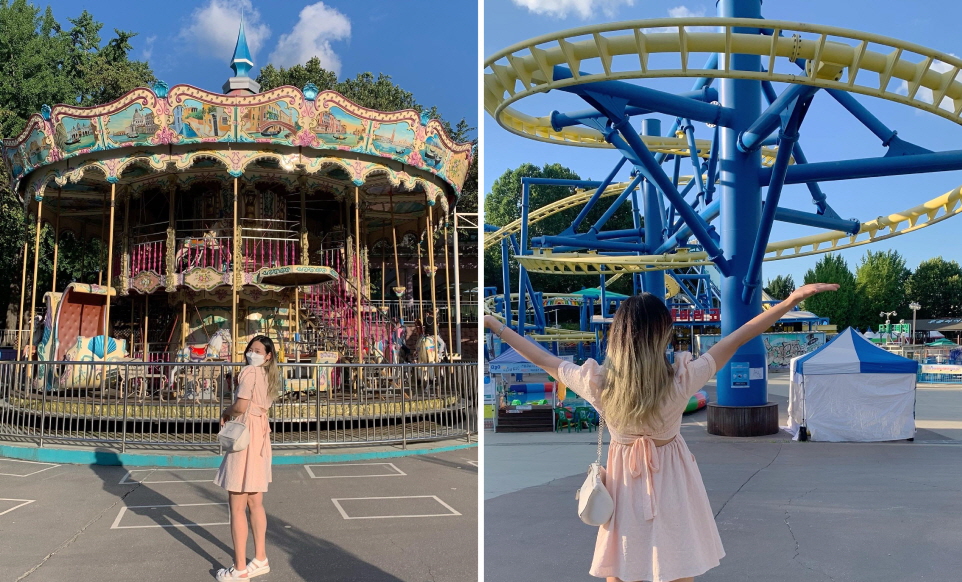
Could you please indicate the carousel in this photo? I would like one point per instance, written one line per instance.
(221, 217)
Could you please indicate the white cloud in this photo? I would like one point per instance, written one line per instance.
(584, 8)
(317, 27)
(684, 12)
(149, 46)
(926, 94)
(212, 28)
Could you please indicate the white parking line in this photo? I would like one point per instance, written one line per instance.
(150, 472)
(51, 466)
(25, 502)
(123, 510)
(470, 462)
(344, 514)
(397, 472)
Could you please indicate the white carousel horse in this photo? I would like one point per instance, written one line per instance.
(197, 380)
(211, 240)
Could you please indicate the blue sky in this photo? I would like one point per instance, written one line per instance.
(429, 47)
(828, 133)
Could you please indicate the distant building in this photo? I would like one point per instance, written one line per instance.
(330, 124)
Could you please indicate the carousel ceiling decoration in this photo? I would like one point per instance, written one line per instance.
(287, 128)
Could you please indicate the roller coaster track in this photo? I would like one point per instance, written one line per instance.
(836, 58)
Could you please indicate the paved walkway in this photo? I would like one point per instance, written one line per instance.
(786, 511)
(410, 519)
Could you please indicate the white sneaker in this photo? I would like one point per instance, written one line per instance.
(231, 574)
(256, 568)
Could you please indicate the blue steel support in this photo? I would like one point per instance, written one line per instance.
(816, 220)
(507, 281)
(560, 120)
(667, 103)
(525, 194)
(740, 195)
(653, 170)
(653, 281)
(868, 168)
(786, 140)
(595, 197)
(767, 122)
(710, 213)
(596, 227)
(712, 167)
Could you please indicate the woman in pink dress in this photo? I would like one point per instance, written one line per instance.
(662, 528)
(245, 474)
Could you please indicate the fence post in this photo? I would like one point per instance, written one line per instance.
(404, 415)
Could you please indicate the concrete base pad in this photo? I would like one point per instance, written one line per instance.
(743, 421)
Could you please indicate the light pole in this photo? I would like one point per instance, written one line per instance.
(914, 307)
(888, 327)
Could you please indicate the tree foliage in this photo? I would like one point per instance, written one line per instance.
(937, 287)
(880, 283)
(841, 307)
(780, 287)
(42, 62)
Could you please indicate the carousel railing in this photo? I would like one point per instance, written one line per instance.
(178, 405)
(269, 243)
(148, 248)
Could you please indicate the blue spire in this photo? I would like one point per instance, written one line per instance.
(242, 62)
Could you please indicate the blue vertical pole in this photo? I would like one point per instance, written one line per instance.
(742, 382)
(653, 281)
(506, 304)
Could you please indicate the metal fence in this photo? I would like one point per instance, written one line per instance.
(170, 405)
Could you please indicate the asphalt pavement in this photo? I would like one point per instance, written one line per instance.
(786, 511)
(410, 519)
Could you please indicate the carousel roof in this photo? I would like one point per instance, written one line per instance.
(149, 133)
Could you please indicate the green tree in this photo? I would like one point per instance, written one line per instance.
(41, 63)
(841, 307)
(503, 205)
(780, 287)
(936, 285)
(880, 283)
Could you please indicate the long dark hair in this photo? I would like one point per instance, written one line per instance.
(270, 365)
(639, 376)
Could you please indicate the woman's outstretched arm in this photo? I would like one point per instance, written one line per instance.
(529, 351)
(725, 349)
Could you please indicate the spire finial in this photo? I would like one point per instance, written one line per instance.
(242, 62)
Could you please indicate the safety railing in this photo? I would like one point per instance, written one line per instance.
(168, 405)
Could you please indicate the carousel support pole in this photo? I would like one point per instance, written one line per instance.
(183, 323)
(420, 288)
(305, 251)
(33, 286)
(23, 284)
(110, 258)
(457, 287)
(234, 265)
(103, 228)
(447, 283)
(146, 318)
(434, 301)
(56, 242)
(170, 271)
(357, 261)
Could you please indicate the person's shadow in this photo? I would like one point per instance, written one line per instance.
(310, 557)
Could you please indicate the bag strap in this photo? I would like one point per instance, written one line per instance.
(601, 430)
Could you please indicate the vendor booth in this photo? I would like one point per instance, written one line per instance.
(532, 413)
(851, 390)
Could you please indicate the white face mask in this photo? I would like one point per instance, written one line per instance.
(255, 359)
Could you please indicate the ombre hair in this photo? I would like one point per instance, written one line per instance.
(639, 377)
(270, 365)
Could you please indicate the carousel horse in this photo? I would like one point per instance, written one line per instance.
(197, 381)
(210, 241)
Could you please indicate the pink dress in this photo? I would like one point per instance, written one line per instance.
(249, 471)
(663, 527)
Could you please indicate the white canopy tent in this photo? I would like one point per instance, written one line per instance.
(851, 390)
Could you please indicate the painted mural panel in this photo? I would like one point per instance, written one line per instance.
(37, 147)
(780, 347)
(393, 139)
(276, 121)
(335, 127)
(135, 124)
(74, 134)
(196, 120)
(433, 153)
